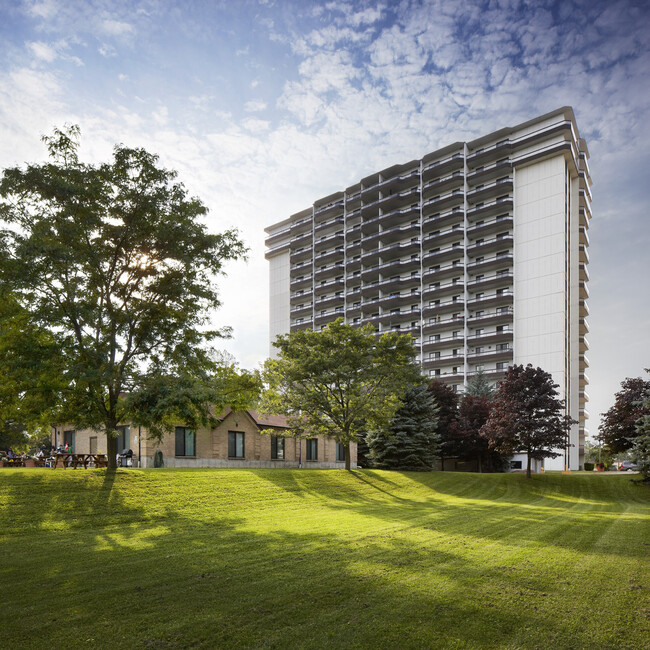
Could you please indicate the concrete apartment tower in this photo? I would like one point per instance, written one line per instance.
(479, 250)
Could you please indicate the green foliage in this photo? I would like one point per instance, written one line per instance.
(641, 447)
(589, 467)
(339, 382)
(527, 415)
(480, 386)
(447, 401)
(113, 266)
(469, 444)
(411, 443)
(617, 429)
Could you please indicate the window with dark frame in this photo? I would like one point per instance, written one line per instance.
(185, 442)
(68, 439)
(312, 449)
(236, 444)
(340, 452)
(277, 448)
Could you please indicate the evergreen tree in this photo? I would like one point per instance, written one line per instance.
(480, 386)
(412, 443)
(446, 398)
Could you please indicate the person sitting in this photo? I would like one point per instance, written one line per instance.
(40, 453)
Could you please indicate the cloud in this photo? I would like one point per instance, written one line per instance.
(254, 106)
(117, 27)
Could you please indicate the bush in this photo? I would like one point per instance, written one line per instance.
(589, 467)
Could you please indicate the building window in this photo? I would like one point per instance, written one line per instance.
(236, 446)
(501, 365)
(312, 449)
(515, 464)
(454, 370)
(277, 448)
(340, 452)
(437, 372)
(123, 438)
(185, 442)
(93, 444)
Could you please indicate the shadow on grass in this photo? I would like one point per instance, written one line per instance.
(114, 561)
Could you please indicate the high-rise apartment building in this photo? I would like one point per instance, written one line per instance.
(479, 250)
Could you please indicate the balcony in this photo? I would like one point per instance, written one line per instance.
(329, 240)
(490, 338)
(302, 255)
(444, 288)
(321, 274)
(438, 185)
(434, 220)
(332, 207)
(388, 253)
(491, 226)
(440, 237)
(326, 257)
(490, 281)
(490, 245)
(489, 209)
(489, 263)
(442, 166)
(301, 310)
(394, 234)
(300, 281)
(484, 356)
(303, 225)
(504, 314)
(490, 190)
(445, 200)
(443, 342)
(443, 271)
(395, 282)
(441, 323)
(498, 150)
(490, 300)
(488, 172)
(443, 254)
(444, 306)
(326, 224)
(396, 266)
(370, 226)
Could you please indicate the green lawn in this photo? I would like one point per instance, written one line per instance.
(317, 559)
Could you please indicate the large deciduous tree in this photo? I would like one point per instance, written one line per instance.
(114, 262)
(339, 382)
(411, 442)
(618, 429)
(527, 415)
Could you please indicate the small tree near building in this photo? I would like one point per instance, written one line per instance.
(411, 443)
(641, 447)
(447, 401)
(618, 428)
(527, 416)
(339, 382)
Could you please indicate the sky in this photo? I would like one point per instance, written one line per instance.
(265, 106)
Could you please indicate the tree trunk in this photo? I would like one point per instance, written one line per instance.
(480, 464)
(347, 456)
(528, 465)
(111, 444)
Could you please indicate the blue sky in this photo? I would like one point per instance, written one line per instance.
(265, 106)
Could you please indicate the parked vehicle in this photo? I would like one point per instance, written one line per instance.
(628, 466)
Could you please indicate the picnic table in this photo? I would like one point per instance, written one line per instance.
(78, 460)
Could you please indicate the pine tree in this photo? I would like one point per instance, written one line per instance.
(480, 386)
(412, 443)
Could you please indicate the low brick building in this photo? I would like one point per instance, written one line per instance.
(235, 442)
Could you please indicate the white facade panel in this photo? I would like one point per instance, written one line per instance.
(279, 308)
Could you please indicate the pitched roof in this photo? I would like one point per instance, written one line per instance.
(261, 420)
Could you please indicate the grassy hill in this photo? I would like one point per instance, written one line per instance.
(317, 559)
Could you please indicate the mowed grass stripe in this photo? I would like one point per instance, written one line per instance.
(282, 558)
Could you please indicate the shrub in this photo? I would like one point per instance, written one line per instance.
(589, 467)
